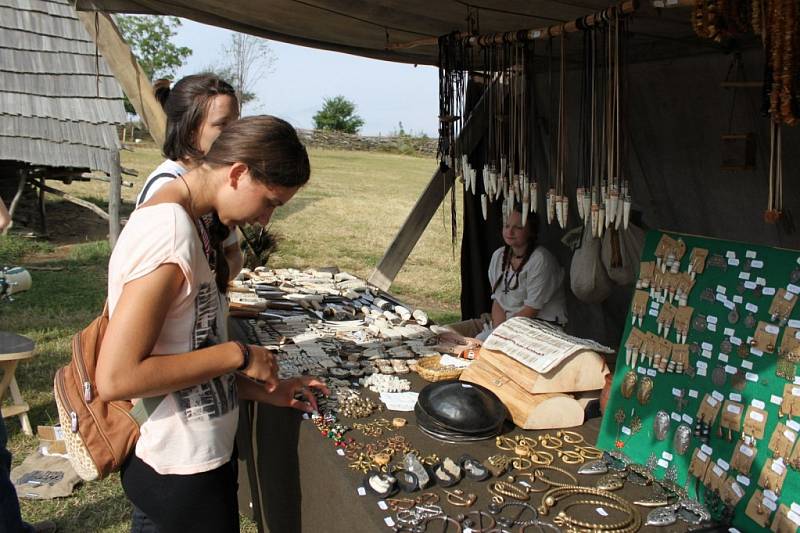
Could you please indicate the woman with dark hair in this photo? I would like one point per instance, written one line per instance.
(164, 332)
(198, 107)
(526, 279)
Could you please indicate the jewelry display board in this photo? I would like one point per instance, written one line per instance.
(705, 384)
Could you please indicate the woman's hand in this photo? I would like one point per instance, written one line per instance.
(288, 390)
(263, 367)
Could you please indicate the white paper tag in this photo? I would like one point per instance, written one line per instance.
(744, 480)
(718, 471)
(703, 364)
(747, 450)
(794, 517)
(778, 467)
(733, 262)
(723, 465)
(706, 354)
(707, 346)
(652, 372)
(388, 520)
(749, 376)
(772, 330)
(730, 369)
(666, 455)
(775, 399)
(794, 289)
(712, 401)
(761, 281)
(653, 312)
(729, 254)
(794, 323)
(706, 449)
(735, 396)
(729, 332)
(626, 430)
(750, 285)
(382, 505)
(361, 491)
(711, 319)
(721, 289)
(735, 409)
(755, 351)
(712, 328)
(748, 365)
(702, 456)
(769, 504)
(758, 404)
(601, 511)
(753, 308)
(736, 341)
(795, 391)
(737, 489)
(768, 291)
(720, 297)
(793, 425)
(675, 416)
(688, 419)
(662, 463)
(718, 396)
(795, 507)
(340, 451)
(755, 415)
(750, 254)
(524, 483)
(789, 434)
(737, 299)
(757, 263)
(788, 296)
(677, 392)
(729, 304)
(702, 371)
(723, 358)
(744, 275)
(692, 393)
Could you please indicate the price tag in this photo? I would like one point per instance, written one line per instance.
(744, 480)
(729, 254)
(688, 419)
(723, 465)
(717, 471)
(666, 455)
(702, 371)
(730, 369)
(736, 341)
(797, 335)
(721, 297)
(753, 308)
(792, 424)
(676, 417)
(361, 491)
(692, 393)
(601, 511)
(755, 351)
(751, 377)
(737, 299)
(789, 434)
(757, 263)
(750, 254)
(794, 323)
(769, 504)
(711, 319)
(653, 312)
(788, 296)
(382, 505)
(524, 483)
(744, 275)
(388, 520)
(737, 489)
(703, 364)
(795, 391)
(755, 415)
(775, 399)
(768, 291)
(642, 370)
(718, 396)
(702, 456)
(663, 464)
(729, 332)
(794, 289)
(773, 330)
(677, 392)
(747, 364)
(712, 328)
(758, 404)
(706, 354)
(652, 372)
(733, 262)
(536, 34)
(761, 281)
(735, 409)
(627, 431)
(340, 452)
(723, 357)
(730, 305)
(747, 450)
(721, 289)
(706, 449)
(795, 507)
(735, 396)
(712, 401)
(707, 345)
(749, 285)
(794, 517)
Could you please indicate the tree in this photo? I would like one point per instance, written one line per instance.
(338, 113)
(150, 39)
(249, 59)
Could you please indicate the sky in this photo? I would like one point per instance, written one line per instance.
(385, 93)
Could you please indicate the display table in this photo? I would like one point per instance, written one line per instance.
(13, 349)
(297, 481)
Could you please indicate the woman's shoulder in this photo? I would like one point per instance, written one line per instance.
(541, 256)
(160, 218)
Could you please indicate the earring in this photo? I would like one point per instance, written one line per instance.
(645, 390)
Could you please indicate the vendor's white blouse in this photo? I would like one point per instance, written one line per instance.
(541, 286)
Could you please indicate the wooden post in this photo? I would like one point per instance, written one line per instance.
(12, 208)
(427, 204)
(114, 200)
(127, 71)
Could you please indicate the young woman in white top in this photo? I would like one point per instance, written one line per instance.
(164, 333)
(525, 278)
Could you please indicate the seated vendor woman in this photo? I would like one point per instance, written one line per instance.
(526, 279)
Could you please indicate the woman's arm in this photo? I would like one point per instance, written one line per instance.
(5, 218)
(234, 255)
(527, 311)
(498, 314)
(127, 369)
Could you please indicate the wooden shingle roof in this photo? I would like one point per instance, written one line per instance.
(59, 102)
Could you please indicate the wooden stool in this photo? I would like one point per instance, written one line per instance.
(13, 349)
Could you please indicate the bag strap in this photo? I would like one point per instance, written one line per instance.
(143, 194)
(145, 407)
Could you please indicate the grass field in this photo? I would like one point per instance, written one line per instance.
(346, 216)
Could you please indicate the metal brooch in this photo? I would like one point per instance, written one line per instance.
(661, 425)
(680, 442)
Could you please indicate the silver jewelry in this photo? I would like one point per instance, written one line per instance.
(661, 425)
(680, 442)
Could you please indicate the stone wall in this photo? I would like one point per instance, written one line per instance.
(335, 140)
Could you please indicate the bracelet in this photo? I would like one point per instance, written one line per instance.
(538, 473)
(245, 349)
(564, 519)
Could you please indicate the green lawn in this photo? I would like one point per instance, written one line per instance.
(346, 216)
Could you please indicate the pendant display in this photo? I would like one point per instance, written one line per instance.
(683, 436)
(596, 467)
(661, 425)
(628, 384)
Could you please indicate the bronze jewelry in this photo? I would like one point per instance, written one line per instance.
(542, 458)
(529, 484)
(521, 463)
(550, 442)
(570, 457)
(502, 489)
(564, 519)
(538, 473)
(504, 443)
(466, 521)
(570, 437)
(459, 498)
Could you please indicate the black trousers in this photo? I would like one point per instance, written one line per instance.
(204, 502)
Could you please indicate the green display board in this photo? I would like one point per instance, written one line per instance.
(731, 301)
